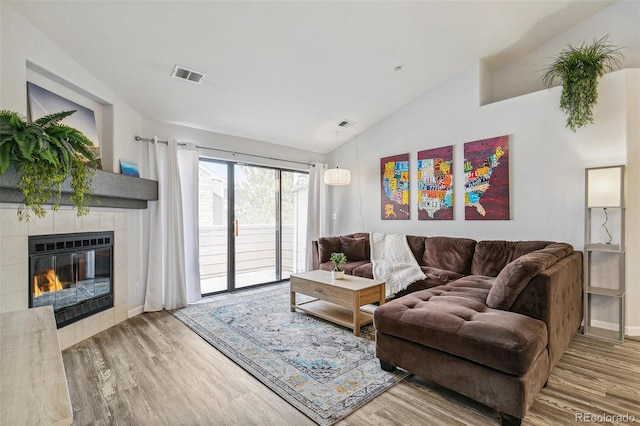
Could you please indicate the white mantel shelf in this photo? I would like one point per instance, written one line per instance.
(111, 189)
(33, 385)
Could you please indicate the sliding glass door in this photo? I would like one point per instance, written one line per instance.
(293, 201)
(257, 219)
(253, 223)
(213, 219)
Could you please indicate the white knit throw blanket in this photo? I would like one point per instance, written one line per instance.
(393, 262)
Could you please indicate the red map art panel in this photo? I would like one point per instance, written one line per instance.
(486, 170)
(394, 191)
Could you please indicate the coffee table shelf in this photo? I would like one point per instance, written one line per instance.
(333, 313)
(338, 301)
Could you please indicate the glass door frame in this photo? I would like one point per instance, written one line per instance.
(232, 223)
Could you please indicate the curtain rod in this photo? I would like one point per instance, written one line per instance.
(166, 142)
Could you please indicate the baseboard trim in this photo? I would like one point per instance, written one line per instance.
(632, 331)
(605, 325)
(136, 311)
(628, 330)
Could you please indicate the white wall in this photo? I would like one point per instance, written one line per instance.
(120, 124)
(621, 21)
(633, 205)
(24, 48)
(231, 143)
(547, 161)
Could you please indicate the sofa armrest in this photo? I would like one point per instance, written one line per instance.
(555, 297)
(315, 256)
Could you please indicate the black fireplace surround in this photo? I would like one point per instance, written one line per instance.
(72, 272)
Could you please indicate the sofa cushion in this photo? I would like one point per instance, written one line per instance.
(416, 244)
(353, 248)
(516, 275)
(492, 256)
(445, 318)
(348, 267)
(365, 270)
(367, 247)
(451, 254)
(327, 246)
(439, 276)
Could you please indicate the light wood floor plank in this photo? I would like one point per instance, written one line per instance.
(152, 369)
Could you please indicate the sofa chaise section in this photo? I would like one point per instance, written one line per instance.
(493, 339)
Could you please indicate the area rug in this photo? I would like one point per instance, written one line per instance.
(320, 368)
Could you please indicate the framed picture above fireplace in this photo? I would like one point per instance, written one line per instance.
(43, 102)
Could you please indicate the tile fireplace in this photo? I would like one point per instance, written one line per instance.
(73, 273)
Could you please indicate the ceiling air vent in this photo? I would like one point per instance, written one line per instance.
(346, 123)
(183, 73)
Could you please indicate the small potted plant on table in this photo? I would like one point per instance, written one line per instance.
(338, 259)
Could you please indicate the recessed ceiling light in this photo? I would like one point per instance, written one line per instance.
(182, 73)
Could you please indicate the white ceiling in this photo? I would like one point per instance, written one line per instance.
(288, 72)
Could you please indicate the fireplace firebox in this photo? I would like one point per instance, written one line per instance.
(71, 272)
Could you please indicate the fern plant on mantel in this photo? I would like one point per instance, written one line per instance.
(579, 69)
(45, 153)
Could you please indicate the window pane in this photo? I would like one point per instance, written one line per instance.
(294, 222)
(255, 209)
(213, 226)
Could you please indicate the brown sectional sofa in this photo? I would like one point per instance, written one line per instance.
(490, 320)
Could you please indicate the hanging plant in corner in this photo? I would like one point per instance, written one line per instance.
(44, 153)
(579, 69)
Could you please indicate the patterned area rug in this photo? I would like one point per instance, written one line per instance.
(320, 368)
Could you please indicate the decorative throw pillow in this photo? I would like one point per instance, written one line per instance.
(515, 276)
(353, 248)
(326, 246)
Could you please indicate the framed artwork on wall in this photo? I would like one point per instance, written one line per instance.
(394, 191)
(42, 102)
(435, 184)
(129, 168)
(486, 186)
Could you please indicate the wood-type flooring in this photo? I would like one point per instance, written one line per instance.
(153, 370)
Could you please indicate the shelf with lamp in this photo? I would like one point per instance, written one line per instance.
(604, 271)
(337, 176)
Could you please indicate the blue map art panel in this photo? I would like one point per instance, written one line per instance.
(435, 184)
(486, 170)
(394, 191)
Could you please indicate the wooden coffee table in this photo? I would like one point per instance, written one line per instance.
(338, 301)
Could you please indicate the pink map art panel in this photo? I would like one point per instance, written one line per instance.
(486, 170)
(435, 184)
(394, 191)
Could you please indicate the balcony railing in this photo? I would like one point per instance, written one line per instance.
(255, 255)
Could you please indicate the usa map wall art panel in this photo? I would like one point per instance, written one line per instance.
(486, 170)
(394, 193)
(435, 184)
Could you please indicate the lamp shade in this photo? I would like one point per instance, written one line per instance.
(337, 176)
(604, 187)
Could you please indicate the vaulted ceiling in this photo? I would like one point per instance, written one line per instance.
(289, 72)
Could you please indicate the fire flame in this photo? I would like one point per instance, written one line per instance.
(52, 284)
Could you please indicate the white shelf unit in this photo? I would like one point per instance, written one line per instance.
(604, 266)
